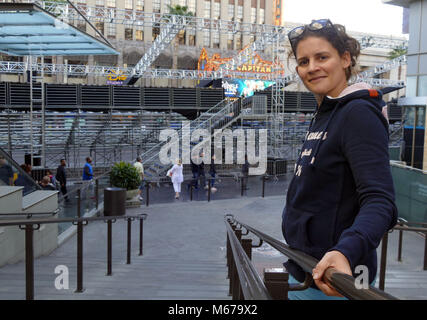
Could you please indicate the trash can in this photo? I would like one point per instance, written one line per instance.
(114, 201)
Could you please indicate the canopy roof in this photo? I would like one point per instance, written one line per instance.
(28, 30)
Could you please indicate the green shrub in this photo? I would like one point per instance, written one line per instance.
(125, 175)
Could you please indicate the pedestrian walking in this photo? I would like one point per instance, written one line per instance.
(140, 168)
(61, 178)
(175, 173)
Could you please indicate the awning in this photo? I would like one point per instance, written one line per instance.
(28, 30)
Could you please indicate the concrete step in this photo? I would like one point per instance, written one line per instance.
(40, 201)
(10, 199)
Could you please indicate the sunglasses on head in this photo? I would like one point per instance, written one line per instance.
(315, 25)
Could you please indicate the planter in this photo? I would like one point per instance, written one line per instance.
(130, 194)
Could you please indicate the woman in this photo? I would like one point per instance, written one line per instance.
(176, 175)
(340, 201)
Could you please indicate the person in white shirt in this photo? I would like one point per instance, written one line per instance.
(177, 177)
(140, 168)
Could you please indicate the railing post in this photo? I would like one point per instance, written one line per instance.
(109, 247)
(141, 229)
(147, 193)
(129, 240)
(263, 186)
(247, 247)
(79, 257)
(191, 192)
(235, 287)
(425, 252)
(399, 250)
(96, 193)
(209, 190)
(276, 282)
(383, 261)
(241, 186)
(79, 203)
(29, 262)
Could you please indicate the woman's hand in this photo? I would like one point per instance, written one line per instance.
(332, 259)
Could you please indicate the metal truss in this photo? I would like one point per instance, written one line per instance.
(145, 19)
(162, 41)
(379, 69)
(84, 70)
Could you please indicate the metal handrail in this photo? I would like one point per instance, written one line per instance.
(252, 286)
(13, 163)
(343, 283)
(30, 225)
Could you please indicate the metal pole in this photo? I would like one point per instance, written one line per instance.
(425, 252)
(383, 261)
(399, 252)
(109, 248)
(29, 262)
(79, 257)
(147, 194)
(191, 191)
(96, 192)
(129, 244)
(209, 190)
(79, 203)
(141, 228)
(263, 186)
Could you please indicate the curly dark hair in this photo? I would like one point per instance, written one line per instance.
(339, 39)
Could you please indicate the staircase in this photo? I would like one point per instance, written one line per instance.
(22, 202)
(220, 116)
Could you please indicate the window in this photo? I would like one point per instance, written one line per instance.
(261, 16)
(207, 39)
(128, 4)
(216, 39)
(156, 32)
(156, 5)
(230, 42)
(192, 40)
(253, 15)
(216, 10)
(139, 5)
(191, 6)
(128, 34)
(239, 43)
(100, 27)
(411, 86)
(422, 86)
(207, 9)
(166, 3)
(139, 35)
(111, 3)
(230, 11)
(100, 3)
(239, 17)
(111, 31)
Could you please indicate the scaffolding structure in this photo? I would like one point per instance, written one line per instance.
(106, 135)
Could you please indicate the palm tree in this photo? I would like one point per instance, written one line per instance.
(180, 11)
(398, 52)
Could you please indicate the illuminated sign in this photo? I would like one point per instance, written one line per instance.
(115, 77)
(243, 88)
(254, 63)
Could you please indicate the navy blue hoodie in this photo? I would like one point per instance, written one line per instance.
(342, 196)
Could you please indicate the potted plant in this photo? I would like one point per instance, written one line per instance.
(124, 175)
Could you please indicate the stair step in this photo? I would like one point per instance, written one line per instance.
(33, 201)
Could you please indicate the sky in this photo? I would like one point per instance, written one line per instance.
(370, 16)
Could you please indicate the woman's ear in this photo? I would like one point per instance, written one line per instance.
(346, 60)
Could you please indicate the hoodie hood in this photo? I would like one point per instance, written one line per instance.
(359, 90)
